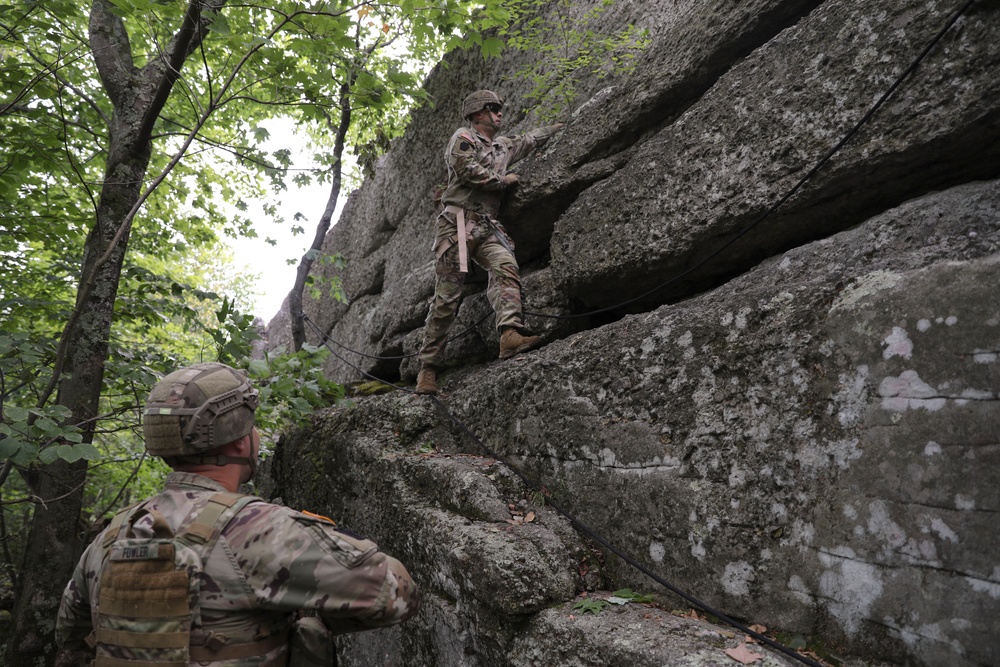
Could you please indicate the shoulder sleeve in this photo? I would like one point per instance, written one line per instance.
(523, 145)
(75, 620)
(297, 561)
(463, 161)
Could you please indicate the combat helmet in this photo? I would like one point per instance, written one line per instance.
(478, 100)
(198, 409)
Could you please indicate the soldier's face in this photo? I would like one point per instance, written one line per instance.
(491, 116)
(494, 113)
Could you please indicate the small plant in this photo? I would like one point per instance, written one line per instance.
(626, 595)
(570, 52)
(590, 606)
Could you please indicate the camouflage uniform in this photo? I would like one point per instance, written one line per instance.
(476, 170)
(269, 563)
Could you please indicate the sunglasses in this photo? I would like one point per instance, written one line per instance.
(493, 107)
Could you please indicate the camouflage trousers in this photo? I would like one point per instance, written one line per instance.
(503, 290)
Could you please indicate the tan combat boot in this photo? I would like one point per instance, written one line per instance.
(427, 380)
(512, 342)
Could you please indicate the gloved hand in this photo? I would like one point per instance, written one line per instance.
(510, 179)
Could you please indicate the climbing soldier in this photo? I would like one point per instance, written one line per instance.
(200, 574)
(467, 228)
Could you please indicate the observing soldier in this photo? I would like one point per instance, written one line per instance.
(247, 568)
(467, 227)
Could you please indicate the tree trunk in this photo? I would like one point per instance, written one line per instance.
(138, 96)
(54, 543)
(302, 273)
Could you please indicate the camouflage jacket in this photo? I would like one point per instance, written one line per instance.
(269, 563)
(477, 165)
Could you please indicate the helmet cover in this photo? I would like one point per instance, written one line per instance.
(198, 409)
(478, 100)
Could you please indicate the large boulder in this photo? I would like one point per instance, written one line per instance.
(790, 412)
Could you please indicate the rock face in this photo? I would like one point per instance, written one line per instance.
(795, 416)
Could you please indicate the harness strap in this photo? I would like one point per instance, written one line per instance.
(108, 661)
(463, 251)
(143, 639)
(204, 526)
(111, 533)
(238, 651)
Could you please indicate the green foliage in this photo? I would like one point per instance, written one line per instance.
(565, 48)
(590, 606)
(626, 595)
(292, 387)
(321, 285)
(619, 597)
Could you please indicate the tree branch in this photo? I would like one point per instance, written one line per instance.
(112, 52)
(181, 46)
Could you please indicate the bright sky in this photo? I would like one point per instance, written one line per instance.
(256, 255)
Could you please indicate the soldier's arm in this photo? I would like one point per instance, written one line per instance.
(74, 622)
(396, 600)
(463, 161)
(524, 144)
(306, 563)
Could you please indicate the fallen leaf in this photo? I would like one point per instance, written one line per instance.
(758, 628)
(529, 517)
(743, 655)
(812, 655)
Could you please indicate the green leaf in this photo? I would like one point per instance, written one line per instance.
(8, 447)
(49, 455)
(590, 606)
(258, 368)
(492, 47)
(88, 451)
(16, 414)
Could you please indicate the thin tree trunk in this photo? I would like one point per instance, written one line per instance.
(302, 273)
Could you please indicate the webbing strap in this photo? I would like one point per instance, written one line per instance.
(204, 525)
(108, 661)
(146, 609)
(143, 639)
(238, 651)
(463, 251)
(111, 533)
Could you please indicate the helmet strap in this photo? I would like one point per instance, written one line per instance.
(214, 459)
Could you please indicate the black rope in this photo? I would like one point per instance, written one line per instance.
(469, 329)
(812, 172)
(575, 522)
